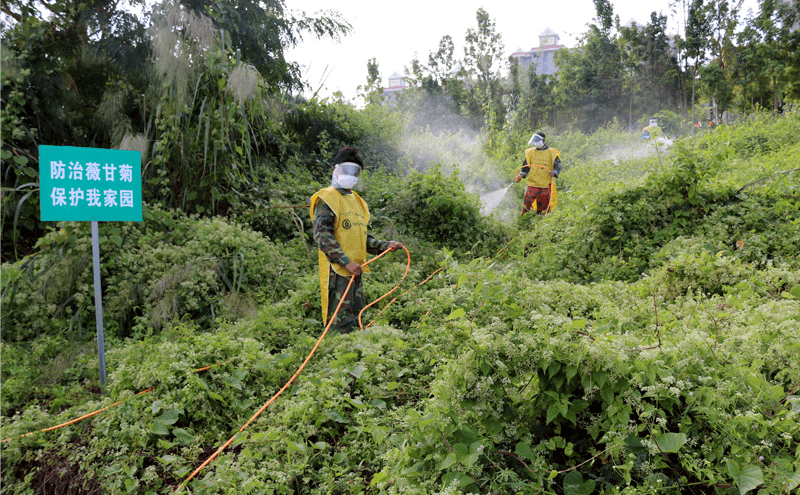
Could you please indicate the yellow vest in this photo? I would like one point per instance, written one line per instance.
(350, 230)
(655, 132)
(538, 176)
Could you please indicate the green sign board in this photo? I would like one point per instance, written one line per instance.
(90, 184)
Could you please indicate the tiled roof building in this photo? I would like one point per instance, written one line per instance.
(542, 56)
(396, 85)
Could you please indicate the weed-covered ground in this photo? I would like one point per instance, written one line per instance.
(643, 338)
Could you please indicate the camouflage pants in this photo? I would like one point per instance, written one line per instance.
(542, 197)
(347, 318)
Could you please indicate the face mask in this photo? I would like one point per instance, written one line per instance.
(347, 181)
(539, 143)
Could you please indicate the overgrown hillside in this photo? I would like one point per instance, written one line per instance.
(642, 338)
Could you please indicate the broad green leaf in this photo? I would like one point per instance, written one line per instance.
(159, 428)
(552, 412)
(392, 385)
(168, 458)
(357, 403)
(457, 313)
(461, 452)
(524, 450)
(794, 481)
(794, 293)
(170, 417)
(473, 455)
(671, 442)
(600, 378)
(232, 382)
(165, 444)
(216, 397)
(183, 437)
(182, 471)
(378, 477)
(112, 469)
(447, 462)
(574, 484)
(468, 432)
(458, 479)
(296, 446)
(131, 485)
(356, 370)
(746, 478)
(571, 371)
(334, 415)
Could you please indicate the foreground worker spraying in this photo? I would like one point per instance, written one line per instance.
(340, 219)
(546, 163)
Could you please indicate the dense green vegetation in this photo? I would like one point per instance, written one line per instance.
(644, 337)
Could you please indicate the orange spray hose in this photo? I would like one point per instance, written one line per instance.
(403, 294)
(408, 265)
(85, 416)
(274, 397)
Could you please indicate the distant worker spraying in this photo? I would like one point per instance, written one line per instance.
(652, 132)
(546, 163)
(340, 219)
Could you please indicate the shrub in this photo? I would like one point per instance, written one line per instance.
(168, 267)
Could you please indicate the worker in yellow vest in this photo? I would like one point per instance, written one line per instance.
(652, 132)
(340, 219)
(541, 167)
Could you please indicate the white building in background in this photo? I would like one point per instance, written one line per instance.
(542, 56)
(396, 85)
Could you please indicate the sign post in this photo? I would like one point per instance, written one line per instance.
(98, 306)
(94, 185)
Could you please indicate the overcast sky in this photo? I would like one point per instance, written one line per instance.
(393, 32)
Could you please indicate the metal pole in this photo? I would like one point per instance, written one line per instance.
(98, 306)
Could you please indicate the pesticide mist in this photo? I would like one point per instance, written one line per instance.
(437, 136)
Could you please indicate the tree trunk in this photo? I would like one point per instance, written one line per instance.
(693, 117)
(774, 93)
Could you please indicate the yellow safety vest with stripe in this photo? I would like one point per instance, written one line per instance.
(350, 230)
(541, 162)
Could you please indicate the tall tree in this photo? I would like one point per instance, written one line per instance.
(529, 100)
(261, 30)
(768, 50)
(590, 77)
(651, 69)
(71, 75)
(723, 19)
(696, 33)
(483, 60)
(442, 63)
(372, 91)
